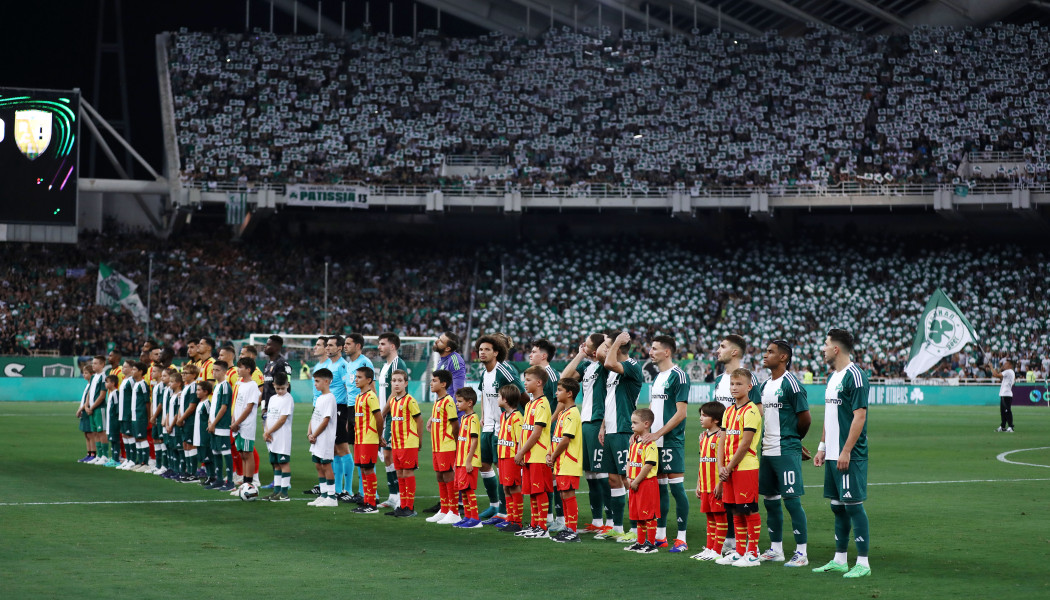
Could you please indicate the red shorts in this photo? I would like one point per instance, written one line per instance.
(509, 472)
(644, 505)
(742, 487)
(466, 481)
(710, 504)
(366, 455)
(444, 461)
(406, 458)
(536, 478)
(567, 482)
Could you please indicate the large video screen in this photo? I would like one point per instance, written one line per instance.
(39, 156)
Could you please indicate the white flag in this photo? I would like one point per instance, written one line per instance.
(943, 331)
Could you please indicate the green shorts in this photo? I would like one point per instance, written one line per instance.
(205, 445)
(185, 433)
(220, 444)
(592, 449)
(140, 428)
(319, 460)
(488, 446)
(158, 431)
(614, 459)
(127, 428)
(851, 486)
(280, 459)
(780, 475)
(244, 445)
(85, 423)
(672, 460)
(98, 421)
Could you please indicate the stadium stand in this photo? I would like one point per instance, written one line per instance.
(761, 289)
(643, 111)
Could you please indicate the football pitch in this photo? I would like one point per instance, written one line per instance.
(956, 510)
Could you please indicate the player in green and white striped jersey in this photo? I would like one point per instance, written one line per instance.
(731, 351)
(730, 354)
(540, 353)
(669, 401)
(588, 368)
(843, 452)
(785, 421)
(621, 399)
(492, 352)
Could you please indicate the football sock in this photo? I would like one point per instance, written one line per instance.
(617, 500)
(209, 468)
(754, 529)
(470, 504)
(330, 486)
(191, 461)
(665, 502)
(641, 531)
(661, 532)
(227, 463)
(799, 525)
(572, 512)
(391, 480)
(602, 480)
(841, 528)
(863, 561)
(681, 505)
(410, 491)
(651, 530)
(519, 508)
(371, 482)
(594, 498)
(740, 528)
(98, 448)
(859, 518)
(533, 510)
(542, 508)
(322, 487)
(255, 455)
(338, 471)
(489, 479)
(774, 519)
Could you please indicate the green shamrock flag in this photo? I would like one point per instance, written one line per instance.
(943, 331)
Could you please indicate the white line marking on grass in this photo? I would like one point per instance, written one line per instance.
(1002, 457)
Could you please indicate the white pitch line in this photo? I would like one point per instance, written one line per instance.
(196, 501)
(1002, 457)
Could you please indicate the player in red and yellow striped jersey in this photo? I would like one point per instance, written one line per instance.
(644, 503)
(468, 457)
(536, 476)
(368, 431)
(204, 350)
(739, 474)
(508, 439)
(444, 427)
(566, 457)
(708, 486)
(406, 421)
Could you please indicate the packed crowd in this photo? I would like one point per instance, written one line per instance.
(639, 111)
(762, 290)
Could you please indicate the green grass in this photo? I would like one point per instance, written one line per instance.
(951, 538)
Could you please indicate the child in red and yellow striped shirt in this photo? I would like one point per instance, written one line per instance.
(507, 442)
(468, 458)
(708, 486)
(644, 502)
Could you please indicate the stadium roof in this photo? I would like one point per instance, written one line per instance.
(788, 17)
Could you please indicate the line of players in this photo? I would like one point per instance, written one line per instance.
(610, 383)
(196, 424)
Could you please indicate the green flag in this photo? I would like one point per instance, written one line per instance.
(943, 331)
(113, 290)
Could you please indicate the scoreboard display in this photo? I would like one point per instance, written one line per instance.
(39, 156)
